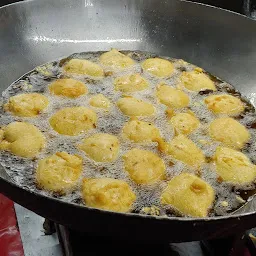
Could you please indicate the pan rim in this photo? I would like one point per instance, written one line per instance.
(184, 1)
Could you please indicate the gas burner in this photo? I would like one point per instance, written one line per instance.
(75, 243)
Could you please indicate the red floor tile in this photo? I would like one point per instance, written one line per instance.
(10, 241)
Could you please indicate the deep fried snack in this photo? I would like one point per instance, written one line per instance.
(189, 195)
(140, 131)
(224, 104)
(196, 81)
(22, 139)
(233, 166)
(100, 101)
(84, 67)
(68, 87)
(27, 105)
(108, 194)
(172, 97)
(116, 60)
(73, 121)
(101, 147)
(229, 132)
(185, 150)
(59, 172)
(143, 166)
(158, 67)
(184, 123)
(130, 83)
(131, 106)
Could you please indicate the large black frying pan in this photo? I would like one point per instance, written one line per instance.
(222, 42)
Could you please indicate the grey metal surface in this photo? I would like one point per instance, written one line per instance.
(35, 32)
(35, 242)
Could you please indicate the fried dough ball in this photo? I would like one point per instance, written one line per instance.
(230, 132)
(131, 106)
(143, 166)
(73, 121)
(101, 147)
(59, 172)
(233, 166)
(84, 67)
(158, 67)
(184, 123)
(108, 194)
(22, 139)
(151, 210)
(189, 195)
(116, 59)
(27, 105)
(169, 113)
(99, 101)
(171, 97)
(224, 104)
(130, 83)
(68, 87)
(197, 81)
(140, 131)
(185, 150)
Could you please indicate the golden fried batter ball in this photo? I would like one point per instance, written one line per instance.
(143, 166)
(151, 210)
(116, 59)
(140, 131)
(27, 105)
(158, 67)
(233, 166)
(130, 83)
(59, 172)
(185, 150)
(189, 195)
(131, 106)
(196, 81)
(101, 147)
(84, 67)
(22, 139)
(224, 104)
(230, 132)
(108, 194)
(184, 123)
(171, 97)
(99, 101)
(170, 113)
(73, 121)
(68, 87)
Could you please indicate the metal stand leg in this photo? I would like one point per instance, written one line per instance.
(49, 227)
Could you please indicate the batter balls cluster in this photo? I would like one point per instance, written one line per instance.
(187, 193)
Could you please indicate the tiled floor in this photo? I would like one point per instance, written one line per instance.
(35, 242)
